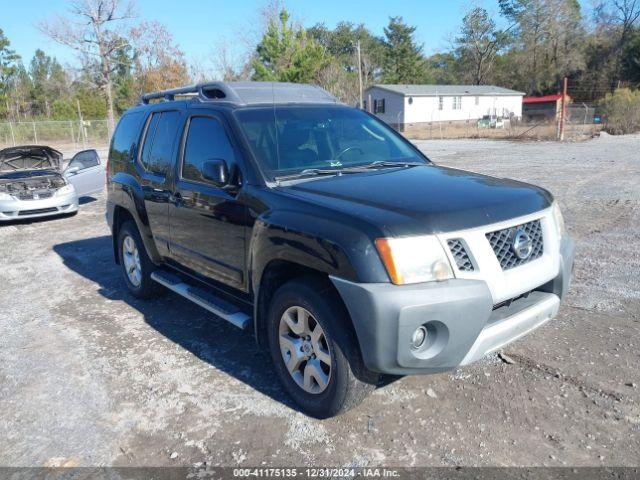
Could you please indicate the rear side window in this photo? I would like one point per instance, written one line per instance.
(206, 140)
(157, 150)
(125, 137)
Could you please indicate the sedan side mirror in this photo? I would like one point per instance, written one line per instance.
(74, 169)
(216, 171)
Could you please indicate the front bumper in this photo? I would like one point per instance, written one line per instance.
(462, 325)
(21, 209)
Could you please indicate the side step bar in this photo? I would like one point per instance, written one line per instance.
(206, 300)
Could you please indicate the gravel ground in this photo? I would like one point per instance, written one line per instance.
(91, 376)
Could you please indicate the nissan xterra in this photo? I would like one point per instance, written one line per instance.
(347, 252)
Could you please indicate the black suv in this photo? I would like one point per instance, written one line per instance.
(346, 251)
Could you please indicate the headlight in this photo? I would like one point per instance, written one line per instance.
(66, 190)
(5, 196)
(414, 259)
(558, 220)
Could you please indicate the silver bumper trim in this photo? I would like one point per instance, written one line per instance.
(509, 329)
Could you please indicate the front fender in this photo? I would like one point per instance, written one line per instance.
(126, 192)
(314, 242)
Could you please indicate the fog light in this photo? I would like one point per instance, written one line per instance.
(418, 338)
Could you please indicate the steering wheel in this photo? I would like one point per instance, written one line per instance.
(348, 149)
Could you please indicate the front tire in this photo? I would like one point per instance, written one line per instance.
(135, 264)
(314, 350)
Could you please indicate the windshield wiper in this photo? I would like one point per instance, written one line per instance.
(390, 163)
(314, 172)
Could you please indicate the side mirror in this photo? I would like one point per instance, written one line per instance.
(72, 170)
(216, 171)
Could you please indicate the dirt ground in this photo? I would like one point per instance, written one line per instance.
(91, 376)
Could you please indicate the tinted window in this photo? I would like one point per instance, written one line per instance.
(145, 153)
(206, 140)
(86, 159)
(125, 136)
(290, 139)
(157, 151)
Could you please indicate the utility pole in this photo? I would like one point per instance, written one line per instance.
(563, 111)
(359, 73)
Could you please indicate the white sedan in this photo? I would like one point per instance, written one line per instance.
(34, 184)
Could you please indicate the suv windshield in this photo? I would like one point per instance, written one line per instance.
(291, 139)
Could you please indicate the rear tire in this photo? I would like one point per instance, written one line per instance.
(314, 350)
(135, 264)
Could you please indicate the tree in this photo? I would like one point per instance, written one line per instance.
(287, 54)
(124, 85)
(444, 69)
(48, 82)
(622, 111)
(340, 77)
(403, 61)
(8, 68)
(548, 38)
(615, 21)
(95, 31)
(158, 61)
(231, 65)
(631, 60)
(478, 43)
(626, 12)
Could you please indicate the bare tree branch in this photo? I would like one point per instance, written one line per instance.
(96, 29)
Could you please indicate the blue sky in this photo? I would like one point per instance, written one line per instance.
(199, 26)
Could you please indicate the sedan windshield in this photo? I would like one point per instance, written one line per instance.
(294, 139)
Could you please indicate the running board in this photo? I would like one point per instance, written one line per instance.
(216, 305)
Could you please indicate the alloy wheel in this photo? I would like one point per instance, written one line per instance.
(131, 260)
(305, 350)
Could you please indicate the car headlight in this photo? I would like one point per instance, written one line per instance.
(414, 259)
(5, 196)
(66, 190)
(558, 220)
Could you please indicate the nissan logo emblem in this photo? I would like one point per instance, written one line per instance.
(522, 245)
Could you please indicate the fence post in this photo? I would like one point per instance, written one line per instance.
(71, 132)
(35, 134)
(13, 136)
(563, 112)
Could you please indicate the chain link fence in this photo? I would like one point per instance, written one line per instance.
(64, 135)
(71, 135)
(581, 122)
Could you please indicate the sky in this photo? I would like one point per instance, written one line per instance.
(199, 26)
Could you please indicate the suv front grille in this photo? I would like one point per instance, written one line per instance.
(459, 252)
(502, 243)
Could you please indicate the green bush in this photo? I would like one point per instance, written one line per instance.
(622, 111)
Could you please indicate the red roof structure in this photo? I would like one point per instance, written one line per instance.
(545, 99)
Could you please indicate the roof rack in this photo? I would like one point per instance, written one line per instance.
(204, 91)
(246, 93)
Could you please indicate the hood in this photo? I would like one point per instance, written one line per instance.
(29, 157)
(424, 199)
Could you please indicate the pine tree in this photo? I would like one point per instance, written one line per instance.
(404, 62)
(288, 54)
(8, 68)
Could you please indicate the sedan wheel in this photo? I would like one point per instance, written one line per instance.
(305, 350)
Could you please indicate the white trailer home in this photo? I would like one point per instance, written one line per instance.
(404, 105)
